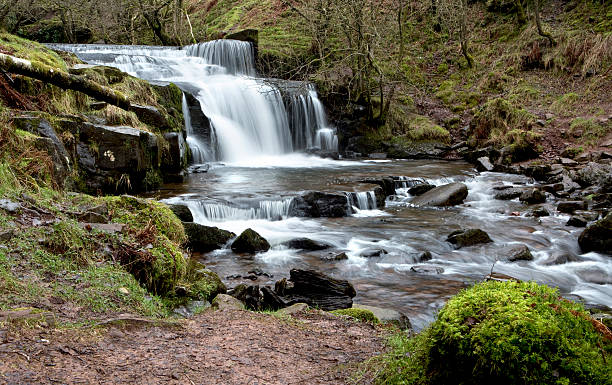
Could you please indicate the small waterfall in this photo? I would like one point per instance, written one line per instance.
(199, 150)
(237, 57)
(365, 200)
(326, 139)
(215, 212)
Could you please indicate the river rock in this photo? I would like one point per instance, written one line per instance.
(334, 257)
(306, 244)
(484, 164)
(204, 238)
(250, 242)
(421, 189)
(226, 302)
(176, 156)
(387, 184)
(577, 221)
(595, 174)
(588, 215)
(533, 196)
(560, 258)
(569, 207)
(508, 194)
(594, 274)
(539, 212)
(425, 256)
(318, 204)
(387, 316)
(294, 309)
(519, 253)
(182, 212)
(373, 253)
(468, 237)
(447, 195)
(427, 269)
(598, 236)
(151, 116)
(316, 289)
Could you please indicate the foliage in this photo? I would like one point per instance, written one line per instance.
(589, 130)
(506, 333)
(358, 314)
(499, 122)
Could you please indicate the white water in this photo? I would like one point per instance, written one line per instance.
(214, 212)
(249, 116)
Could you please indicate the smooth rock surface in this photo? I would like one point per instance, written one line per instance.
(448, 195)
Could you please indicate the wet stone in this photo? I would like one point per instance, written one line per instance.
(577, 221)
(427, 269)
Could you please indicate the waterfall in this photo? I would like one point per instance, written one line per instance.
(362, 200)
(236, 57)
(249, 117)
(204, 212)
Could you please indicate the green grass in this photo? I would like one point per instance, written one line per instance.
(588, 130)
(358, 314)
(29, 50)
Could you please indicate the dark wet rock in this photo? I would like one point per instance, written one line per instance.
(381, 197)
(9, 206)
(373, 253)
(560, 258)
(421, 189)
(595, 174)
(567, 162)
(427, 269)
(484, 164)
(335, 257)
(533, 196)
(472, 156)
(176, 156)
(204, 238)
(539, 212)
(250, 242)
(315, 289)
(577, 221)
(425, 256)
(387, 316)
(598, 236)
(182, 212)
(569, 207)
(538, 172)
(387, 184)
(306, 244)
(199, 169)
(594, 274)
(553, 188)
(447, 195)
(468, 237)
(519, 253)
(508, 194)
(317, 204)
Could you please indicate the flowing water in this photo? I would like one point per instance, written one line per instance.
(256, 170)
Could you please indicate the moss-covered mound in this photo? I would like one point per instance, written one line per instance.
(505, 333)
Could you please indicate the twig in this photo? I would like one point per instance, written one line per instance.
(21, 354)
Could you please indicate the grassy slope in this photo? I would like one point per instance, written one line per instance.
(434, 81)
(48, 260)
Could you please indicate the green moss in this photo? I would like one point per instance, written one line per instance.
(589, 131)
(29, 50)
(564, 105)
(358, 314)
(506, 333)
(499, 122)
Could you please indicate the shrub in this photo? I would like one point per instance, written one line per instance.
(505, 333)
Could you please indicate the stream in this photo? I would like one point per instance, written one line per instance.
(255, 150)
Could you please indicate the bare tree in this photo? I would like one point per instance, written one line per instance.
(454, 15)
(541, 31)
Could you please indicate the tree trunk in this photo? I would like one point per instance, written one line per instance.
(520, 12)
(463, 35)
(539, 24)
(64, 80)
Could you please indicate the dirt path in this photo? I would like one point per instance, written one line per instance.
(226, 347)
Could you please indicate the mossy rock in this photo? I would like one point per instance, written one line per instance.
(516, 333)
(358, 314)
(202, 283)
(250, 242)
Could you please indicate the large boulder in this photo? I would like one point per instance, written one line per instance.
(468, 237)
(508, 194)
(597, 174)
(204, 238)
(598, 236)
(533, 196)
(318, 204)
(387, 184)
(250, 242)
(447, 195)
(182, 212)
(519, 253)
(569, 207)
(421, 189)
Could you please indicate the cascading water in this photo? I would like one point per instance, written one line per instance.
(365, 200)
(204, 212)
(249, 117)
(199, 150)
